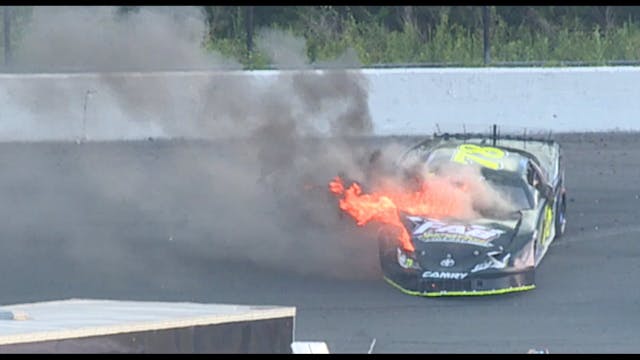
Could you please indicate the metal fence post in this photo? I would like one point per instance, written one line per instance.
(486, 19)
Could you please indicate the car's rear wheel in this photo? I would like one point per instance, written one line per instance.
(561, 220)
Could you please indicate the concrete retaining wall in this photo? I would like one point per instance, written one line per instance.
(401, 101)
(560, 99)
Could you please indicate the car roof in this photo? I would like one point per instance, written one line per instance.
(513, 162)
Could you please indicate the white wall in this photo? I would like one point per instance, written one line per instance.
(560, 99)
(401, 101)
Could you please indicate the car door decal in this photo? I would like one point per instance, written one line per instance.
(546, 225)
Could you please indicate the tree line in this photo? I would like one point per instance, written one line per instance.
(235, 21)
(550, 32)
(425, 34)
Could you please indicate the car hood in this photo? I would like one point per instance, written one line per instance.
(483, 232)
(467, 242)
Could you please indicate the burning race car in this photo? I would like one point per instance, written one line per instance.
(472, 215)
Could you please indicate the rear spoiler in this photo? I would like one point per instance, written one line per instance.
(494, 135)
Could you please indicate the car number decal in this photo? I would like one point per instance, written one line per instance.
(486, 156)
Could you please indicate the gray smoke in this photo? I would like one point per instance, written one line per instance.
(477, 196)
(256, 192)
(445, 182)
(96, 38)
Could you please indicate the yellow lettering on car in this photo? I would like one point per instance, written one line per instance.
(546, 227)
(486, 156)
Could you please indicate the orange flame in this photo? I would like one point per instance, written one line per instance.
(435, 198)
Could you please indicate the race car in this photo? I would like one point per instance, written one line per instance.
(492, 253)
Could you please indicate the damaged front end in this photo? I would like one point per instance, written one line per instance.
(450, 266)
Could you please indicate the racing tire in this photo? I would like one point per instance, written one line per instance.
(386, 252)
(561, 219)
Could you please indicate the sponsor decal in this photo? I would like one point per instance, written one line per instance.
(462, 239)
(546, 227)
(482, 266)
(435, 231)
(444, 275)
(492, 263)
(447, 262)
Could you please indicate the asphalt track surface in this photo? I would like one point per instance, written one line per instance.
(60, 240)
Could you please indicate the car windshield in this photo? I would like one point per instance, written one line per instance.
(511, 188)
(508, 185)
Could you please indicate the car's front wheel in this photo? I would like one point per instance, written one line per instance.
(385, 250)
